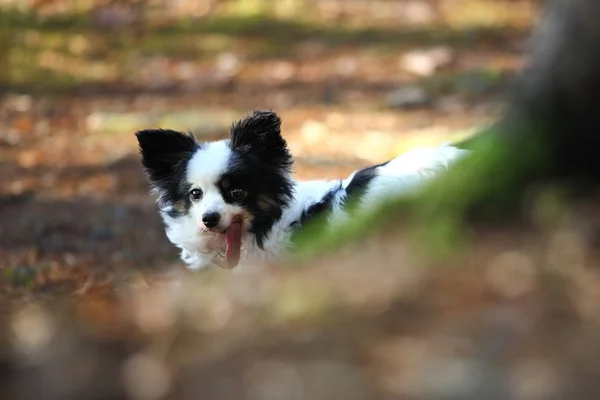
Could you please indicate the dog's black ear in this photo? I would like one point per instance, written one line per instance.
(163, 151)
(258, 128)
(260, 132)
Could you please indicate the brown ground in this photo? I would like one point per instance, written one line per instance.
(97, 305)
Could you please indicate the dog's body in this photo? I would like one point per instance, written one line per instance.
(234, 201)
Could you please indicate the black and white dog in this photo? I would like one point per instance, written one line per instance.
(234, 201)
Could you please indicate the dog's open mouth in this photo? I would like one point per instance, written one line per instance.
(233, 240)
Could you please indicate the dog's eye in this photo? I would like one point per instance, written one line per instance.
(238, 194)
(196, 194)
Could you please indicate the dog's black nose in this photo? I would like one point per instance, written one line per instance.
(211, 219)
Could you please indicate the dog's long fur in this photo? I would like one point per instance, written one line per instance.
(247, 179)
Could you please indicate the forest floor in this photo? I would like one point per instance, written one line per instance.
(99, 306)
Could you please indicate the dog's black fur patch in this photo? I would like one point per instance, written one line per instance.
(165, 154)
(319, 208)
(260, 165)
(361, 180)
(356, 187)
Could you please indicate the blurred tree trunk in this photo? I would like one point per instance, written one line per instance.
(556, 98)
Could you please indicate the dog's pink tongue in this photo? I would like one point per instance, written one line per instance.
(233, 237)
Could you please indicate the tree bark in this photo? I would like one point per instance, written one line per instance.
(556, 98)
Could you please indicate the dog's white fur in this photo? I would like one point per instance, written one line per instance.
(200, 249)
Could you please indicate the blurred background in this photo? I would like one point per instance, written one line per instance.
(97, 306)
(355, 82)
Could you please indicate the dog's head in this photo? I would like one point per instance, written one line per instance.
(223, 190)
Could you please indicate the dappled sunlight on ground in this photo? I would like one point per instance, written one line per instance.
(96, 303)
